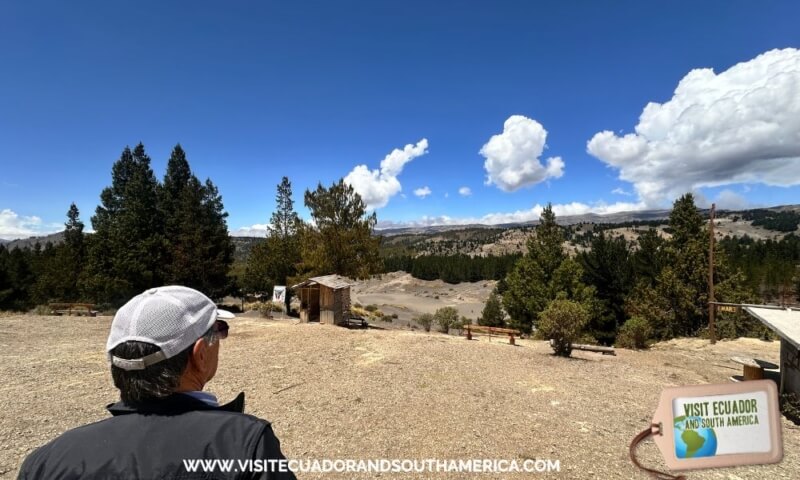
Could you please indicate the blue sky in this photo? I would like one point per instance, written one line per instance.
(311, 90)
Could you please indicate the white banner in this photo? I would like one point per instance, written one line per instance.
(279, 294)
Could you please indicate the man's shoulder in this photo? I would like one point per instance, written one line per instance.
(223, 434)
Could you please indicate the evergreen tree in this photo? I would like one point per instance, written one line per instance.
(607, 267)
(647, 260)
(129, 249)
(542, 275)
(73, 253)
(58, 268)
(492, 315)
(200, 251)
(17, 278)
(676, 303)
(340, 240)
(274, 262)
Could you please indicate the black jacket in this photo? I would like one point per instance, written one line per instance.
(152, 441)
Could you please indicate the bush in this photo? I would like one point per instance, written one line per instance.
(562, 322)
(359, 312)
(394, 316)
(425, 321)
(446, 317)
(371, 308)
(387, 318)
(41, 310)
(266, 308)
(635, 333)
(492, 315)
(357, 305)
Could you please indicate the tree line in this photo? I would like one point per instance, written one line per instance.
(654, 289)
(452, 268)
(149, 233)
(146, 233)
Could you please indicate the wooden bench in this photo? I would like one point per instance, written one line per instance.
(356, 321)
(73, 309)
(592, 348)
(492, 331)
(752, 369)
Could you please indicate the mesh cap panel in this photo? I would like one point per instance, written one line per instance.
(171, 317)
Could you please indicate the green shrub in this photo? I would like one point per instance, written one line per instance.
(266, 308)
(562, 322)
(446, 317)
(492, 315)
(41, 310)
(371, 308)
(425, 321)
(635, 333)
(394, 316)
(387, 318)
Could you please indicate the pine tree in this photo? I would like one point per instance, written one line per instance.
(274, 262)
(340, 240)
(542, 275)
(608, 268)
(128, 250)
(492, 315)
(200, 251)
(73, 252)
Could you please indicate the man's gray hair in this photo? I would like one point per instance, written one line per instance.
(155, 381)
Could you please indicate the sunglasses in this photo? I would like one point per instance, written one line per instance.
(221, 329)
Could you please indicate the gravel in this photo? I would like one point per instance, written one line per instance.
(369, 394)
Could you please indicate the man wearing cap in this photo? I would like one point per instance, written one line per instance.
(163, 349)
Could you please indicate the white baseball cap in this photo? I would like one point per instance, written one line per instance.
(171, 317)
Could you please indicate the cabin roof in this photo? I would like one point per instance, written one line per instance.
(336, 282)
(783, 321)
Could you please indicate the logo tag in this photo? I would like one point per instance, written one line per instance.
(725, 425)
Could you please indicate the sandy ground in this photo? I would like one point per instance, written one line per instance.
(406, 296)
(337, 393)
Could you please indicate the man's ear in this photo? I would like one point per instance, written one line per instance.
(199, 352)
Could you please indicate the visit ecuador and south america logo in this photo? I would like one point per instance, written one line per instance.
(695, 434)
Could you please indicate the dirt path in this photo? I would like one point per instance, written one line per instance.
(338, 393)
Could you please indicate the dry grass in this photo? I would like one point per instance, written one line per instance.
(337, 393)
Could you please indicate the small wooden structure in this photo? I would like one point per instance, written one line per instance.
(752, 369)
(72, 309)
(470, 329)
(324, 299)
(785, 322)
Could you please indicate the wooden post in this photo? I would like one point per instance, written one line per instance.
(712, 307)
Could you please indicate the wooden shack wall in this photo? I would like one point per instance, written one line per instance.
(791, 375)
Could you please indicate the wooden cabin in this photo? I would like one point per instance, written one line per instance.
(324, 299)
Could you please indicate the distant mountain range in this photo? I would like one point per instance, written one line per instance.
(244, 244)
(54, 238)
(621, 217)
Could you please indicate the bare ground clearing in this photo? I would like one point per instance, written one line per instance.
(406, 296)
(337, 393)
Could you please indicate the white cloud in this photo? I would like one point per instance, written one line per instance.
(620, 191)
(519, 216)
(465, 191)
(739, 126)
(512, 157)
(730, 200)
(422, 192)
(376, 187)
(256, 230)
(13, 226)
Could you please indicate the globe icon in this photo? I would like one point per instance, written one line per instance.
(693, 442)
